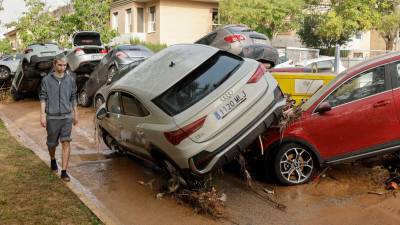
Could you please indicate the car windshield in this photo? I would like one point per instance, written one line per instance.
(321, 91)
(199, 83)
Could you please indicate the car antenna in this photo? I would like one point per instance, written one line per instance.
(172, 64)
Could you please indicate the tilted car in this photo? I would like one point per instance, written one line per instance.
(35, 63)
(86, 53)
(190, 108)
(116, 59)
(8, 67)
(356, 115)
(100, 95)
(242, 40)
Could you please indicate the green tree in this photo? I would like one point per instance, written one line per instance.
(5, 46)
(265, 16)
(36, 25)
(91, 15)
(335, 22)
(388, 22)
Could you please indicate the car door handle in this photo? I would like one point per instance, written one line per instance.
(381, 103)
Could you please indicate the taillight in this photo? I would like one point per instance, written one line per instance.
(258, 74)
(121, 55)
(234, 38)
(28, 50)
(79, 51)
(103, 51)
(177, 136)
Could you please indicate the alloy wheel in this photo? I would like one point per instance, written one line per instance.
(296, 165)
(4, 73)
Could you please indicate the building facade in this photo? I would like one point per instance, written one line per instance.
(163, 21)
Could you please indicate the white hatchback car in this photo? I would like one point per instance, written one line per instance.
(193, 107)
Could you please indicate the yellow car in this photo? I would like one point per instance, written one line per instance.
(299, 85)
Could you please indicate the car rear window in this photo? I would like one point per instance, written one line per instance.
(238, 29)
(198, 83)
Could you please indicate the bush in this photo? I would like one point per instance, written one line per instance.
(151, 46)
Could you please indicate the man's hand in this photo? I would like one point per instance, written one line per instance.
(75, 120)
(43, 120)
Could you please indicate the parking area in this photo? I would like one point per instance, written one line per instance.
(112, 186)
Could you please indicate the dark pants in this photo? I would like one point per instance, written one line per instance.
(58, 130)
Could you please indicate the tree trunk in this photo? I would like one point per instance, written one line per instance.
(389, 44)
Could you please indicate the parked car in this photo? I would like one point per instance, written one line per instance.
(117, 58)
(284, 62)
(355, 116)
(100, 95)
(86, 53)
(190, 108)
(36, 62)
(238, 39)
(322, 64)
(8, 66)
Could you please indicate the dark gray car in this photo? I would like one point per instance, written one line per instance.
(116, 59)
(242, 40)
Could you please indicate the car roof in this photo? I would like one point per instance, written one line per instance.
(319, 59)
(164, 69)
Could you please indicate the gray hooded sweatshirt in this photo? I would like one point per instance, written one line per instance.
(59, 94)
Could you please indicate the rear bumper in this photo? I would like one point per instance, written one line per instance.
(204, 162)
(85, 63)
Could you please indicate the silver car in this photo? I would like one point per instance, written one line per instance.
(85, 55)
(243, 41)
(8, 66)
(36, 62)
(190, 108)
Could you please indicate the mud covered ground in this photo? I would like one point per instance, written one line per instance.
(119, 188)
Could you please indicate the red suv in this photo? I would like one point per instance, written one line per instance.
(356, 115)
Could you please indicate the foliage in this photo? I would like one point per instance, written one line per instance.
(36, 25)
(5, 46)
(265, 16)
(151, 46)
(90, 15)
(311, 35)
(336, 22)
(388, 22)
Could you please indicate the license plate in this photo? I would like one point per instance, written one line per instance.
(97, 56)
(259, 41)
(230, 104)
(48, 53)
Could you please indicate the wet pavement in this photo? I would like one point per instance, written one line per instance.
(109, 185)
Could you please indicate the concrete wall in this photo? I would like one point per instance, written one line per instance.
(185, 21)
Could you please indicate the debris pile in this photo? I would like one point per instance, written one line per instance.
(204, 202)
(4, 94)
(392, 164)
(291, 112)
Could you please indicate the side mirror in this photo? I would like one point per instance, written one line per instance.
(324, 107)
(101, 114)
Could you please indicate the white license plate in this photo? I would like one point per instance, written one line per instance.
(230, 104)
(97, 56)
(48, 53)
(259, 41)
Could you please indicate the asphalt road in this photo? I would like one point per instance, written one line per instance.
(110, 185)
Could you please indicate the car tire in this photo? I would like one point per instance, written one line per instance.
(4, 73)
(98, 101)
(83, 98)
(293, 164)
(15, 94)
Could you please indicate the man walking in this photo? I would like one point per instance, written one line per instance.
(58, 111)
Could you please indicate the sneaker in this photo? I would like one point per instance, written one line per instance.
(64, 176)
(53, 165)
